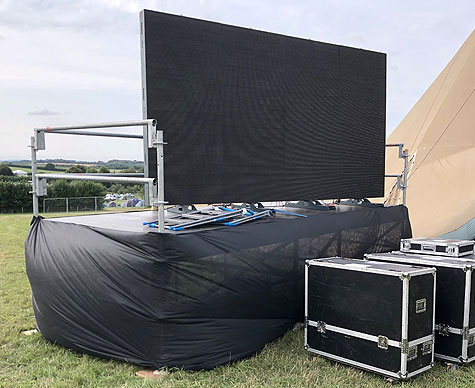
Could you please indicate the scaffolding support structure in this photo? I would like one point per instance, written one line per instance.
(152, 138)
(401, 178)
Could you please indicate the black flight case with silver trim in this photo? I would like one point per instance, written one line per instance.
(372, 315)
(455, 302)
(438, 247)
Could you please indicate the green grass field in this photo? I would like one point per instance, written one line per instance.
(31, 361)
(39, 170)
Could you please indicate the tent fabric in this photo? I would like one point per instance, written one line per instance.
(465, 232)
(439, 133)
(191, 300)
(132, 202)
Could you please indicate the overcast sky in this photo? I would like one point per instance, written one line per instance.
(67, 62)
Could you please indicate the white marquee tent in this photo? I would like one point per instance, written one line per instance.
(439, 133)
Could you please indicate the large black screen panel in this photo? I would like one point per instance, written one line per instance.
(255, 116)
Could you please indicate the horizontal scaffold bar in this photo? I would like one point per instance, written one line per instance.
(138, 174)
(395, 145)
(97, 178)
(114, 124)
(104, 134)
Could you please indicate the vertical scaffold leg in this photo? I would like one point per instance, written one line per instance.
(160, 182)
(33, 177)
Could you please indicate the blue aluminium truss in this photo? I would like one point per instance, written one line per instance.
(196, 217)
(220, 214)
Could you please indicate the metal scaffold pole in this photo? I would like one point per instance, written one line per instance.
(33, 176)
(96, 178)
(404, 190)
(112, 124)
(150, 138)
(160, 181)
(401, 178)
(146, 173)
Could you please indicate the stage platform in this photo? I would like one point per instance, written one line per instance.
(132, 221)
(195, 299)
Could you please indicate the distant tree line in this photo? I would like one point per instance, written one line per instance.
(5, 170)
(77, 169)
(15, 193)
(120, 188)
(114, 164)
(63, 189)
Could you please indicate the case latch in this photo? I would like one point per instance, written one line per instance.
(412, 353)
(428, 247)
(471, 339)
(421, 305)
(444, 330)
(427, 348)
(383, 342)
(321, 327)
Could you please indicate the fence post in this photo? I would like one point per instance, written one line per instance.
(67, 205)
(95, 204)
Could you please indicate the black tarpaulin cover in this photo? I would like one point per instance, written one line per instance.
(190, 300)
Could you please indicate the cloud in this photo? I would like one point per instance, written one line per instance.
(80, 15)
(82, 57)
(354, 39)
(43, 112)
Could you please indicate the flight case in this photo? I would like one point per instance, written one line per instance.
(451, 248)
(455, 302)
(372, 315)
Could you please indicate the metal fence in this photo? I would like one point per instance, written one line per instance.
(78, 204)
(72, 204)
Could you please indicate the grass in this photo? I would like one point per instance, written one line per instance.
(31, 361)
(38, 170)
